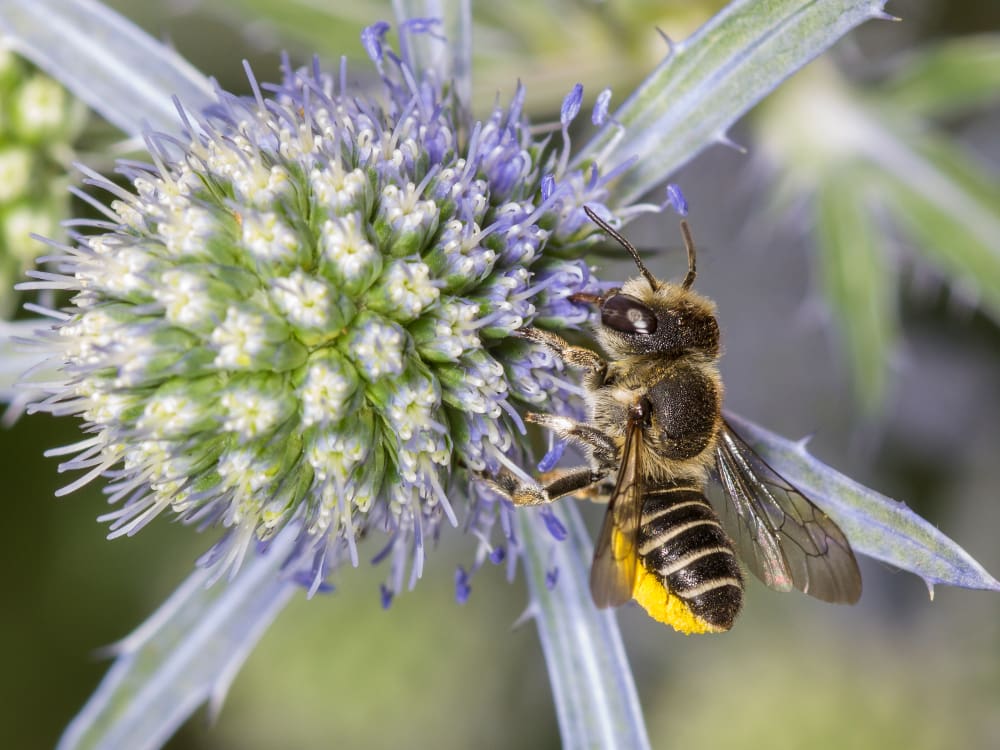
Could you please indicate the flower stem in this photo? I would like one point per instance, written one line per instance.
(592, 686)
(186, 653)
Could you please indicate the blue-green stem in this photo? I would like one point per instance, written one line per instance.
(596, 701)
(187, 653)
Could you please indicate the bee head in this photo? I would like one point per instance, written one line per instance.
(667, 320)
(648, 316)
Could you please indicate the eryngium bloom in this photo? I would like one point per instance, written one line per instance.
(302, 316)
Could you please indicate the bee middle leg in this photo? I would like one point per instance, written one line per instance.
(601, 447)
(556, 484)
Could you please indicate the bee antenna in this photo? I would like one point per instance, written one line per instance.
(689, 246)
(630, 247)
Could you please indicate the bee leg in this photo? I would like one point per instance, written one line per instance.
(587, 298)
(557, 484)
(572, 481)
(574, 356)
(602, 448)
(516, 489)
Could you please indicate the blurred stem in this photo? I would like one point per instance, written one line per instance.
(187, 652)
(448, 50)
(858, 282)
(592, 685)
(104, 59)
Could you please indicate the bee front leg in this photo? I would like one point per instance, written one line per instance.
(574, 356)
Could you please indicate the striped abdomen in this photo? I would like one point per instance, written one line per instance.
(682, 545)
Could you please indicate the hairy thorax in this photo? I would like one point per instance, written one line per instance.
(685, 396)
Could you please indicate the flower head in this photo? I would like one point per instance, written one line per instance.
(300, 314)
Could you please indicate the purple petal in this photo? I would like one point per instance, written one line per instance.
(676, 200)
(571, 105)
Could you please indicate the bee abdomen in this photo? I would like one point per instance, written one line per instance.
(681, 543)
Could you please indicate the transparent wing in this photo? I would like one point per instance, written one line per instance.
(782, 537)
(612, 574)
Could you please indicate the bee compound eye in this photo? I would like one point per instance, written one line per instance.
(628, 315)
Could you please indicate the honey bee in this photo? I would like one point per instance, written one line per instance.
(657, 431)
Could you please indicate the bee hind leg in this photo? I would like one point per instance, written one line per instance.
(557, 484)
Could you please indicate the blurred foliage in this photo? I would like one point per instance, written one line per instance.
(874, 158)
(39, 122)
(945, 78)
(813, 697)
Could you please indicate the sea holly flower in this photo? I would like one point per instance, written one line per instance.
(308, 285)
(295, 325)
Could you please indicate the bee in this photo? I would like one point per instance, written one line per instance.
(658, 437)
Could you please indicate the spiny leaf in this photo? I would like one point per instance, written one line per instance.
(875, 525)
(711, 79)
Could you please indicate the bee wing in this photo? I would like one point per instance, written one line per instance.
(612, 575)
(782, 537)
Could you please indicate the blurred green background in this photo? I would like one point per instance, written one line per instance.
(896, 671)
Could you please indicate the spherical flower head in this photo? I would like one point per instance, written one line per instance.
(301, 315)
(39, 121)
